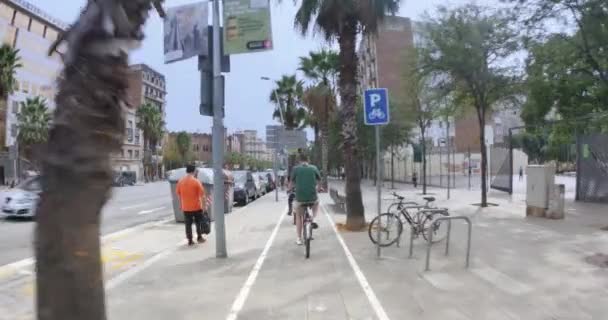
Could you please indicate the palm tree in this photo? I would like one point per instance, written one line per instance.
(33, 122)
(183, 143)
(150, 121)
(321, 68)
(287, 96)
(88, 127)
(343, 20)
(9, 63)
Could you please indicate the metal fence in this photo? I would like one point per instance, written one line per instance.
(501, 168)
(592, 168)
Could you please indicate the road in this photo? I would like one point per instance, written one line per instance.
(128, 206)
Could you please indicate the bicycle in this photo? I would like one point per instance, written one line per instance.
(420, 222)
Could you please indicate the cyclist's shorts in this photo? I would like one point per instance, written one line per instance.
(302, 205)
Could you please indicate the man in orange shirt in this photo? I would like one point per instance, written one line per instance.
(191, 196)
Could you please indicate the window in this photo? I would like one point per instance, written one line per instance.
(130, 131)
(13, 130)
(130, 152)
(15, 107)
(136, 154)
(137, 136)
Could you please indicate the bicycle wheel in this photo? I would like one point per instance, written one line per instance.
(307, 237)
(440, 230)
(390, 226)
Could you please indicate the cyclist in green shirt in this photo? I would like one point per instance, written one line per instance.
(305, 178)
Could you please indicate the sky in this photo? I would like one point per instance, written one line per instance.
(247, 105)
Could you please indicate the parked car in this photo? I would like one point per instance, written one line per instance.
(244, 187)
(22, 200)
(124, 178)
(263, 187)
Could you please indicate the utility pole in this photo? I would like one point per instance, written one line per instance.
(218, 140)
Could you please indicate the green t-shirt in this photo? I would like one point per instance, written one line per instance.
(305, 178)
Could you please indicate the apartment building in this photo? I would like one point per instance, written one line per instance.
(146, 85)
(32, 31)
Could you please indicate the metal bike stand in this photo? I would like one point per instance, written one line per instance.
(447, 245)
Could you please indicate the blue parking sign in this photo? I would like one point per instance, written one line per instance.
(376, 107)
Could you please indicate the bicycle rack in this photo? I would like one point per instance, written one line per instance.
(447, 241)
(419, 207)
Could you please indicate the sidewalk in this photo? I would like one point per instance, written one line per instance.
(521, 268)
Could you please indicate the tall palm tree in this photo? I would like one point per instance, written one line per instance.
(150, 121)
(343, 20)
(287, 96)
(321, 68)
(33, 122)
(9, 63)
(88, 127)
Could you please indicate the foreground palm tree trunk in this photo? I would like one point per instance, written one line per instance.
(77, 176)
(355, 218)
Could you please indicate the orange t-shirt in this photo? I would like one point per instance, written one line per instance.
(190, 191)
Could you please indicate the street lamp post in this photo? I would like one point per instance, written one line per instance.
(277, 145)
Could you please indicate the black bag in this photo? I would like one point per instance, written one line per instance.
(206, 224)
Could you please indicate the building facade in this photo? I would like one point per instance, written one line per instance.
(384, 59)
(32, 31)
(146, 86)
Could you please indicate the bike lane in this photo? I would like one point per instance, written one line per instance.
(326, 286)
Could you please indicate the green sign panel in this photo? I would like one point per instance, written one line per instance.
(248, 26)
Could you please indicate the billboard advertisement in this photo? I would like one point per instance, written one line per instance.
(185, 31)
(247, 26)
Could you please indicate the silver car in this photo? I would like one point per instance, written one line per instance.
(22, 200)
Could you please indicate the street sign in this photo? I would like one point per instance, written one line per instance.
(376, 107)
(248, 26)
(185, 31)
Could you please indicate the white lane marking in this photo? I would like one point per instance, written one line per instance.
(134, 206)
(369, 292)
(239, 302)
(150, 211)
(30, 261)
(122, 277)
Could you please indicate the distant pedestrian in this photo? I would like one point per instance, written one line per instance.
(415, 179)
(521, 173)
(193, 203)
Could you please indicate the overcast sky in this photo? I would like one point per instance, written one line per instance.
(247, 105)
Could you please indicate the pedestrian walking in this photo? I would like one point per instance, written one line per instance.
(415, 179)
(193, 203)
(521, 173)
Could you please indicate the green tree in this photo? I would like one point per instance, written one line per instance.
(33, 122)
(183, 143)
(321, 69)
(344, 20)
(287, 96)
(9, 63)
(150, 121)
(394, 135)
(469, 46)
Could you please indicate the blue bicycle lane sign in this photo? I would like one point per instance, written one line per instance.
(376, 110)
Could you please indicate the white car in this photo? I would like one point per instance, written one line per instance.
(22, 200)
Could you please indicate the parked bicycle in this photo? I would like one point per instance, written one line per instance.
(391, 222)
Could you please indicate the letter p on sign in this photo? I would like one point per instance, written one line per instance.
(374, 99)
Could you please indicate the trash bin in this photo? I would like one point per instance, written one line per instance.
(173, 178)
(205, 176)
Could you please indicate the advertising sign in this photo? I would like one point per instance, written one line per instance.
(247, 26)
(185, 32)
